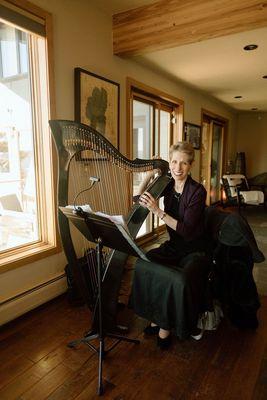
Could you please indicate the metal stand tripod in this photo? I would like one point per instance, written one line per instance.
(100, 335)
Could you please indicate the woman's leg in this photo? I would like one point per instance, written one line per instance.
(163, 333)
(164, 255)
(164, 339)
(151, 329)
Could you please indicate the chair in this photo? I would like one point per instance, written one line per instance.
(234, 250)
(11, 202)
(238, 192)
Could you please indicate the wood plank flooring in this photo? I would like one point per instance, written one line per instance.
(227, 364)
(36, 363)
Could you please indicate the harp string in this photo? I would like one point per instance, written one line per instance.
(110, 195)
(79, 180)
(89, 246)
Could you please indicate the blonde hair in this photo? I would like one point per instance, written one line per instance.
(183, 147)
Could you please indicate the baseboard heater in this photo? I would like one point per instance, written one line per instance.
(23, 302)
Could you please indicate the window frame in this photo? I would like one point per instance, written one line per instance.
(135, 88)
(49, 243)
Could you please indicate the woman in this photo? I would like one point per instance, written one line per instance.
(183, 214)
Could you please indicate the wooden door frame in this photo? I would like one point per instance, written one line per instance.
(225, 122)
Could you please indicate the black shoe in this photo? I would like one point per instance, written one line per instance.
(197, 333)
(151, 330)
(165, 343)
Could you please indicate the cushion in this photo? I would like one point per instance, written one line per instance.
(234, 180)
(253, 197)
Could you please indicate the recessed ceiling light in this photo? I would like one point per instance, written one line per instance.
(249, 47)
(264, 76)
(254, 109)
(238, 97)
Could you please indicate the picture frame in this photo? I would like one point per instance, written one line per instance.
(97, 102)
(192, 134)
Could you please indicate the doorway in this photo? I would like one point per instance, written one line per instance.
(214, 130)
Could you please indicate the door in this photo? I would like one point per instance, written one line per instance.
(205, 169)
(216, 162)
(211, 158)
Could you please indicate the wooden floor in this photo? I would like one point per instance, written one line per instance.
(36, 363)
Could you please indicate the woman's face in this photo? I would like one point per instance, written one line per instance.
(179, 165)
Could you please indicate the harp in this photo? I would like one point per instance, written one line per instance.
(84, 153)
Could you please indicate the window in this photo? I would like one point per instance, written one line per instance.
(156, 124)
(27, 211)
(13, 51)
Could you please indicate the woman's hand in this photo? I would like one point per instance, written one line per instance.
(148, 177)
(147, 200)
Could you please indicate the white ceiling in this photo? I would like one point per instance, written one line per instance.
(217, 66)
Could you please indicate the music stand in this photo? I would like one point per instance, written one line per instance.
(103, 232)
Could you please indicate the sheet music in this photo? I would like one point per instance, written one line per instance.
(118, 220)
(130, 240)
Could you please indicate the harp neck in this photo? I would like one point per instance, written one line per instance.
(72, 138)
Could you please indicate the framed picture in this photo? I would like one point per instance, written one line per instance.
(192, 134)
(97, 102)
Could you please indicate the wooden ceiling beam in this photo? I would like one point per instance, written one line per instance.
(172, 23)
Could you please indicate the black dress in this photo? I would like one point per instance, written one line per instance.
(171, 297)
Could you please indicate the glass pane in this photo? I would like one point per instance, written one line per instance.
(156, 139)
(216, 163)
(23, 56)
(165, 133)
(18, 205)
(142, 129)
(142, 136)
(8, 50)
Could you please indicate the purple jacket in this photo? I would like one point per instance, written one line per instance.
(191, 208)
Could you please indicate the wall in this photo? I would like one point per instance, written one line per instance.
(83, 38)
(252, 139)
